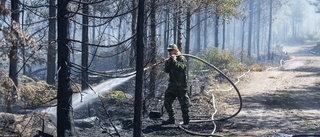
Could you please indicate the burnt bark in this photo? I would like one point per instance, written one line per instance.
(153, 47)
(51, 56)
(13, 55)
(139, 68)
(65, 123)
(85, 39)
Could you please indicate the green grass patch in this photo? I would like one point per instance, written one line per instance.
(117, 95)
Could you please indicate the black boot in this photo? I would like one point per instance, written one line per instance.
(169, 121)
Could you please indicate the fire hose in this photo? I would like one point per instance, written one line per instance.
(200, 121)
(212, 119)
(215, 110)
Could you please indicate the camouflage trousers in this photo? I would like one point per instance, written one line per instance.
(184, 100)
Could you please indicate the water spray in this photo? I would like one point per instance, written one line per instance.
(106, 86)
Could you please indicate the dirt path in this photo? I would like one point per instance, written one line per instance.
(281, 101)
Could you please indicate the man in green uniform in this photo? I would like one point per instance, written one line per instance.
(176, 66)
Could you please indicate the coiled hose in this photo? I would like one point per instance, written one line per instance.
(222, 119)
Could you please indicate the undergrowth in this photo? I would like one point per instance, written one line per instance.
(224, 61)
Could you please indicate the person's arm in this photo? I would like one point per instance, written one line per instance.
(181, 64)
(167, 66)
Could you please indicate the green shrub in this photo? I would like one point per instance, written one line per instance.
(223, 60)
(35, 92)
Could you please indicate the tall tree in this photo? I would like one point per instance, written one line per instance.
(270, 31)
(65, 123)
(242, 43)
(51, 56)
(85, 40)
(175, 19)
(153, 48)
(224, 35)
(188, 29)
(166, 31)
(133, 29)
(23, 45)
(139, 68)
(250, 28)
(205, 44)
(179, 42)
(198, 46)
(258, 28)
(13, 53)
(216, 31)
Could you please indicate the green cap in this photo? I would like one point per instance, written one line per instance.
(172, 46)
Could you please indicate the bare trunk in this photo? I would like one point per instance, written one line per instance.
(153, 47)
(223, 36)
(13, 54)
(175, 25)
(166, 32)
(84, 57)
(258, 27)
(51, 58)
(250, 28)
(234, 34)
(205, 29)
(216, 33)
(270, 31)
(133, 31)
(65, 124)
(198, 33)
(179, 43)
(242, 45)
(139, 68)
(187, 48)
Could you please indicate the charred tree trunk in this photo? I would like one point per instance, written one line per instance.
(153, 47)
(139, 68)
(65, 123)
(118, 64)
(133, 31)
(51, 64)
(13, 53)
(84, 57)
(23, 45)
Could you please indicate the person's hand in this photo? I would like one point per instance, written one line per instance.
(173, 57)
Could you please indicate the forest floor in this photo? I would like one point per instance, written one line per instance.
(282, 101)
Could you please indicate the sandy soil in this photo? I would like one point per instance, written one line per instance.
(282, 101)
